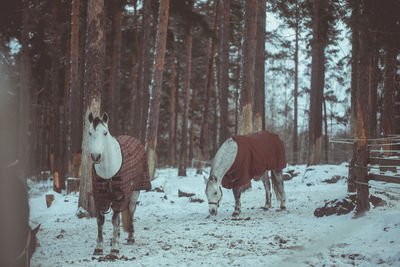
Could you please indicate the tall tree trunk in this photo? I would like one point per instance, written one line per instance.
(146, 67)
(115, 71)
(351, 186)
(94, 83)
(237, 93)
(389, 96)
(65, 126)
(326, 139)
(183, 153)
(156, 90)
(135, 115)
(317, 81)
(24, 93)
(210, 75)
(373, 93)
(224, 70)
(296, 88)
(173, 114)
(55, 98)
(259, 92)
(74, 99)
(362, 153)
(248, 69)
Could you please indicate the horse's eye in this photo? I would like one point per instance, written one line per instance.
(105, 133)
(215, 193)
(90, 133)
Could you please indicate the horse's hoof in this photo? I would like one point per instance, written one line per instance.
(265, 208)
(98, 251)
(283, 208)
(114, 251)
(235, 214)
(130, 241)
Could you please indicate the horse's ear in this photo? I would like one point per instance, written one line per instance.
(205, 180)
(104, 118)
(90, 117)
(36, 230)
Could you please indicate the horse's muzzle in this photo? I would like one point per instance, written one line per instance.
(95, 157)
(213, 211)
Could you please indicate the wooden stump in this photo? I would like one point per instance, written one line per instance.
(56, 186)
(73, 184)
(49, 199)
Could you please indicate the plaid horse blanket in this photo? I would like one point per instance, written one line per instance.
(257, 153)
(133, 176)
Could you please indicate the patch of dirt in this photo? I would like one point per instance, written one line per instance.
(112, 258)
(334, 179)
(196, 200)
(290, 174)
(184, 194)
(345, 206)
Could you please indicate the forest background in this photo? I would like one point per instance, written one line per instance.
(182, 76)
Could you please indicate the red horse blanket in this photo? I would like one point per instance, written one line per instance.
(133, 176)
(257, 153)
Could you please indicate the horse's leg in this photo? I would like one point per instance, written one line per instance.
(132, 209)
(100, 222)
(238, 206)
(267, 187)
(116, 232)
(277, 182)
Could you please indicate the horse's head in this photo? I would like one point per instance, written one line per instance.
(213, 193)
(98, 134)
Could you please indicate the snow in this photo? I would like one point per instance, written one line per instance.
(173, 231)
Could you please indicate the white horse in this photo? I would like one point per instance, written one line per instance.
(222, 163)
(107, 158)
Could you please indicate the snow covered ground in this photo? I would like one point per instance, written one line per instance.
(175, 231)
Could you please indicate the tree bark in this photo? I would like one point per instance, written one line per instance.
(296, 89)
(94, 83)
(246, 116)
(362, 153)
(351, 186)
(24, 94)
(248, 69)
(135, 116)
(173, 115)
(156, 90)
(74, 99)
(389, 96)
(317, 81)
(183, 153)
(224, 71)
(55, 144)
(209, 82)
(146, 68)
(259, 92)
(115, 71)
(326, 139)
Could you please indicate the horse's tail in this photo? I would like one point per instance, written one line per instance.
(127, 218)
